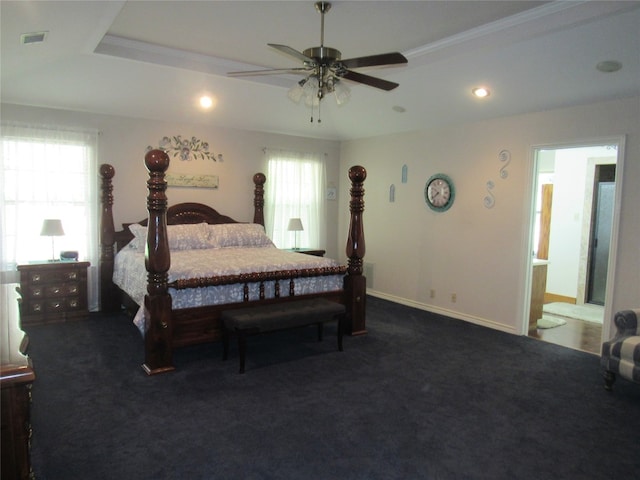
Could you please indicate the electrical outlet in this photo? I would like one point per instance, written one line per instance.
(454, 298)
(432, 293)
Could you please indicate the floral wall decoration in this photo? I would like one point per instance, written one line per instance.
(185, 149)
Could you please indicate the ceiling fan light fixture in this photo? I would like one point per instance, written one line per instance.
(295, 93)
(341, 92)
(311, 90)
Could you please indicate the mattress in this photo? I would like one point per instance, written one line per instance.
(130, 274)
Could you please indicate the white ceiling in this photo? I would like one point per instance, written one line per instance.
(153, 59)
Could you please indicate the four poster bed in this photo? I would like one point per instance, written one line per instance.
(181, 267)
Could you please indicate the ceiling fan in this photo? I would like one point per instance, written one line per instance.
(324, 69)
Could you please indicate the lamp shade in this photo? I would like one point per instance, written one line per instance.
(295, 225)
(52, 227)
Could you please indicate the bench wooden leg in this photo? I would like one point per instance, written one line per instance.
(242, 348)
(340, 331)
(225, 343)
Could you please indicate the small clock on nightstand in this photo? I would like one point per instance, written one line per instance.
(439, 192)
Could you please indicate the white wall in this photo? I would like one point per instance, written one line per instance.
(566, 223)
(123, 141)
(475, 252)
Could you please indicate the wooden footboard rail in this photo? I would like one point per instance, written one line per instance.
(255, 277)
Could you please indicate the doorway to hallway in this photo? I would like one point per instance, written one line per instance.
(571, 234)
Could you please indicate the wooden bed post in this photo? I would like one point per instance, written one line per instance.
(157, 302)
(355, 284)
(109, 294)
(258, 198)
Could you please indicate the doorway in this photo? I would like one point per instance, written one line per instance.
(572, 230)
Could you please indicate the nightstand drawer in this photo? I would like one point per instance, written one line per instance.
(55, 276)
(65, 304)
(47, 291)
(65, 289)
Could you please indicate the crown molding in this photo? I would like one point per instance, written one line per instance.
(548, 18)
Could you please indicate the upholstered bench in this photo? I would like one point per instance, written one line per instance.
(278, 316)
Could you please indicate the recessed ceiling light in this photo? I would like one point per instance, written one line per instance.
(609, 66)
(206, 102)
(33, 37)
(480, 92)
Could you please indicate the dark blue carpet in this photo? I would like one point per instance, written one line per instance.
(420, 397)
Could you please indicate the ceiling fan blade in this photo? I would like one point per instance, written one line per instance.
(290, 51)
(369, 80)
(374, 60)
(248, 73)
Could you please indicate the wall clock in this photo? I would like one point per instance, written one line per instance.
(439, 192)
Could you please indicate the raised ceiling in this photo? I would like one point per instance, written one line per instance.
(153, 59)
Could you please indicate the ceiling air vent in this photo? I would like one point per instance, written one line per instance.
(31, 38)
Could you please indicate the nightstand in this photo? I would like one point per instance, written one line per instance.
(308, 251)
(53, 292)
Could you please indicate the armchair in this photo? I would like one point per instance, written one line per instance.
(621, 354)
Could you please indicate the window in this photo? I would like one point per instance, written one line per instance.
(294, 189)
(48, 173)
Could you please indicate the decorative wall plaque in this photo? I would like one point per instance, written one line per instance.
(191, 180)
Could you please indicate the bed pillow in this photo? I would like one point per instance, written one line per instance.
(238, 235)
(181, 237)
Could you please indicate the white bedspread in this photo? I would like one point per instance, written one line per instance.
(131, 276)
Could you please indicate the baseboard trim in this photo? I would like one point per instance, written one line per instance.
(554, 297)
(443, 311)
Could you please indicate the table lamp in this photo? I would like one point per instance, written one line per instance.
(295, 225)
(52, 227)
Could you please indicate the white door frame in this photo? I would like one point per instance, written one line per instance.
(530, 215)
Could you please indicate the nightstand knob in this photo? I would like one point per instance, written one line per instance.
(35, 277)
(73, 275)
(36, 292)
(73, 303)
(73, 289)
